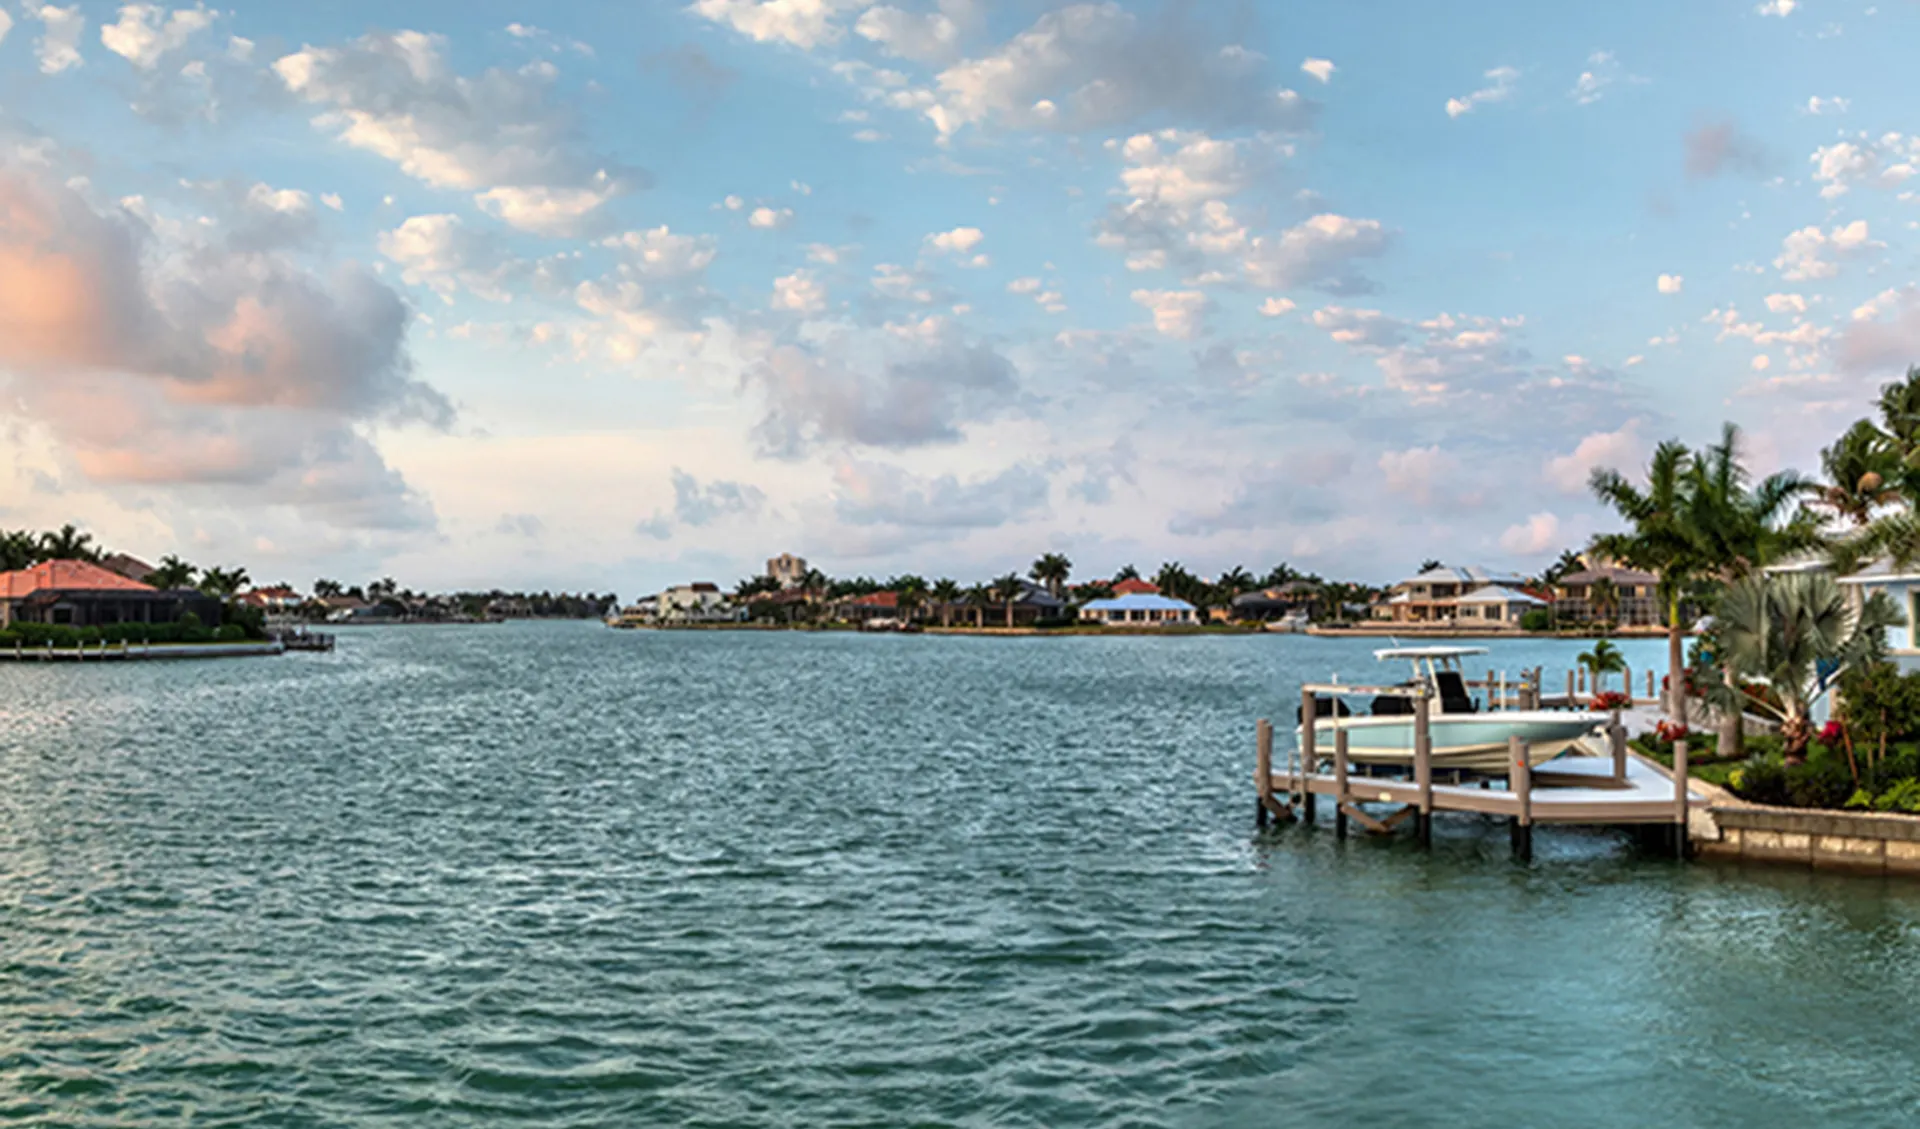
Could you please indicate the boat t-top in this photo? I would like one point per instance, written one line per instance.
(1463, 736)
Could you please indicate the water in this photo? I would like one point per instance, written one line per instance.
(553, 874)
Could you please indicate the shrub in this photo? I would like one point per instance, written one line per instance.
(230, 633)
(1536, 619)
(1903, 796)
(1821, 784)
(1762, 781)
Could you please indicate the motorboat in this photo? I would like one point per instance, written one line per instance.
(1463, 736)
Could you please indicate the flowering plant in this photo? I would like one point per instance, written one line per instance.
(1832, 733)
(1611, 700)
(1670, 731)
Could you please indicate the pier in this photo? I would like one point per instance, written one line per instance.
(1607, 786)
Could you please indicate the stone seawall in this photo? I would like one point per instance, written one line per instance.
(1870, 842)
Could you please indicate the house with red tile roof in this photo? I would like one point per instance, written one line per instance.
(83, 594)
(1134, 586)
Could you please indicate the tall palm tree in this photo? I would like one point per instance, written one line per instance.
(945, 592)
(224, 582)
(68, 544)
(1899, 406)
(1658, 542)
(1744, 525)
(1795, 633)
(324, 588)
(909, 593)
(1863, 473)
(1052, 570)
(1568, 563)
(1007, 589)
(1234, 581)
(174, 574)
(978, 597)
(1127, 572)
(1603, 599)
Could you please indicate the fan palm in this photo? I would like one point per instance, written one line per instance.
(1794, 634)
(1052, 570)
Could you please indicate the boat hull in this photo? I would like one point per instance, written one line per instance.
(1476, 742)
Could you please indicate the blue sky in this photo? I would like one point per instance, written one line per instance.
(608, 295)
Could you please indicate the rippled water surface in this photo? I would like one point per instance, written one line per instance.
(558, 875)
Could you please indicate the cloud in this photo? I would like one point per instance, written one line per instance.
(1318, 252)
(1813, 254)
(868, 493)
(1620, 450)
(1669, 283)
(921, 395)
(1176, 313)
(1786, 304)
(696, 505)
(1721, 148)
(930, 37)
(1096, 65)
(527, 526)
(1499, 87)
(1817, 105)
(58, 48)
(1361, 328)
(1603, 71)
(500, 134)
(1884, 162)
(1781, 8)
(659, 253)
(181, 362)
(959, 241)
(689, 67)
(1417, 472)
(1877, 345)
(801, 23)
(146, 33)
(1321, 69)
(799, 292)
(1274, 307)
(770, 219)
(1540, 533)
(444, 254)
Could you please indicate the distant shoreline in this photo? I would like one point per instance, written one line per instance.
(1367, 632)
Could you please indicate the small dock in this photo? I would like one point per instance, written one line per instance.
(1614, 788)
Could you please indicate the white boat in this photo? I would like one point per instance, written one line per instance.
(1462, 736)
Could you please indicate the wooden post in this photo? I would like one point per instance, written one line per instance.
(1626, 680)
(1491, 704)
(1617, 743)
(1520, 780)
(1650, 686)
(1423, 767)
(1571, 698)
(1680, 799)
(1583, 683)
(1310, 738)
(1262, 770)
(1340, 798)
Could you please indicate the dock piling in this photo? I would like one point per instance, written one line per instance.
(1309, 744)
(1423, 768)
(1340, 797)
(1521, 780)
(1262, 771)
(1617, 743)
(1680, 799)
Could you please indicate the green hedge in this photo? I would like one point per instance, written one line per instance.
(60, 635)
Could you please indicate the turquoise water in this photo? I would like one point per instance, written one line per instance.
(550, 874)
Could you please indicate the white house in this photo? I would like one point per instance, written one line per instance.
(1494, 606)
(1139, 610)
(1904, 589)
(699, 602)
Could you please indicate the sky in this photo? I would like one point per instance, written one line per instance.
(612, 295)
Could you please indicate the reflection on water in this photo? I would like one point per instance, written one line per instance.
(578, 877)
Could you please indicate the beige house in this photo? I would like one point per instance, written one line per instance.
(1638, 595)
(1433, 597)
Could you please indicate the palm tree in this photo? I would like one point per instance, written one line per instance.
(1604, 659)
(223, 582)
(1899, 405)
(1008, 589)
(325, 589)
(909, 592)
(1568, 563)
(1127, 572)
(1863, 471)
(18, 549)
(1603, 599)
(1659, 542)
(978, 597)
(1052, 570)
(1234, 581)
(1793, 632)
(945, 592)
(173, 574)
(68, 544)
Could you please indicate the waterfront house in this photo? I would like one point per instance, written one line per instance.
(1134, 586)
(1637, 592)
(1495, 607)
(1295, 597)
(1433, 597)
(699, 602)
(872, 606)
(1903, 587)
(787, 570)
(1139, 609)
(127, 565)
(276, 599)
(83, 594)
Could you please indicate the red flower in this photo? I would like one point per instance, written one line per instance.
(1611, 700)
(1832, 733)
(1670, 731)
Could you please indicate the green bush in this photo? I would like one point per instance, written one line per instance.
(1819, 784)
(1536, 619)
(1761, 780)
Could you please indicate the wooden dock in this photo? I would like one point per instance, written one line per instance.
(1618, 789)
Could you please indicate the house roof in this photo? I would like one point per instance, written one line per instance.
(1140, 601)
(1614, 573)
(127, 565)
(1471, 574)
(65, 576)
(1500, 594)
(877, 600)
(1134, 586)
(704, 586)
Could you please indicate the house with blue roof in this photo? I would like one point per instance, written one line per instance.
(1139, 609)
